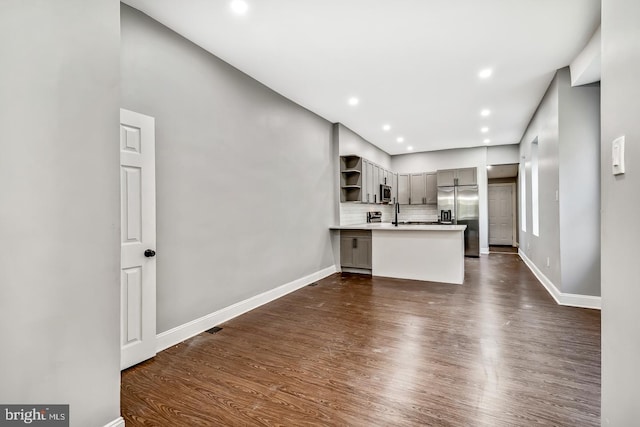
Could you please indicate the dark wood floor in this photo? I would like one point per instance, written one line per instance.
(503, 249)
(357, 351)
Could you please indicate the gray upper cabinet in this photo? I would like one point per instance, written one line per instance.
(394, 187)
(418, 189)
(370, 182)
(467, 176)
(363, 192)
(360, 181)
(376, 184)
(366, 172)
(432, 188)
(450, 177)
(404, 188)
(446, 178)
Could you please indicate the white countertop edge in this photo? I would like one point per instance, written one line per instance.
(385, 226)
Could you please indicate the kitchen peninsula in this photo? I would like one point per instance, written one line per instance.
(432, 252)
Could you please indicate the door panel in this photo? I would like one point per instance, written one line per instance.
(500, 215)
(138, 231)
(466, 176)
(132, 287)
(404, 188)
(418, 189)
(432, 188)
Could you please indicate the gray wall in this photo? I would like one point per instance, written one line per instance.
(620, 210)
(245, 178)
(352, 143)
(503, 154)
(543, 126)
(579, 175)
(567, 128)
(59, 206)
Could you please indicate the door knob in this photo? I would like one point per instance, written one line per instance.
(149, 253)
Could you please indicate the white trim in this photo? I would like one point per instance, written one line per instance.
(118, 422)
(514, 211)
(180, 333)
(484, 251)
(572, 300)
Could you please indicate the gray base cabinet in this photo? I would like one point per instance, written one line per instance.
(355, 249)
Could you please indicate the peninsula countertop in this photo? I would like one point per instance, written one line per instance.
(401, 227)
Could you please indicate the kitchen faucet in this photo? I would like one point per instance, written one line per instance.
(397, 209)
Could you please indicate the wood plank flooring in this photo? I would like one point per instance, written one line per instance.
(362, 351)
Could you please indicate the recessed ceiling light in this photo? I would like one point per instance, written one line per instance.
(484, 129)
(409, 148)
(239, 7)
(486, 141)
(386, 128)
(400, 139)
(489, 167)
(486, 73)
(486, 112)
(353, 101)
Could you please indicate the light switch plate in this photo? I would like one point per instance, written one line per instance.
(617, 155)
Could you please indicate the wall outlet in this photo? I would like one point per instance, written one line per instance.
(548, 262)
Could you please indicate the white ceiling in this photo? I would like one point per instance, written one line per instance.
(412, 63)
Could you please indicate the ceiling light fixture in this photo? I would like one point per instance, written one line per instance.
(353, 101)
(486, 141)
(484, 129)
(400, 139)
(486, 73)
(239, 7)
(409, 148)
(489, 167)
(386, 128)
(486, 112)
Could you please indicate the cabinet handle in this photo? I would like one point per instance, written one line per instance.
(354, 243)
(367, 198)
(409, 200)
(375, 198)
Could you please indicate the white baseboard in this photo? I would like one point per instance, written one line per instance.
(180, 333)
(118, 422)
(572, 300)
(484, 251)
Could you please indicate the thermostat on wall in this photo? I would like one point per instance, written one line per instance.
(617, 155)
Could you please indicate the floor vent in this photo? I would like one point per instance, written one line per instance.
(313, 284)
(214, 330)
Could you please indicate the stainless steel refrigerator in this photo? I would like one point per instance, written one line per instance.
(462, 201)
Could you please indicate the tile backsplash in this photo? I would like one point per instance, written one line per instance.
(356, 213)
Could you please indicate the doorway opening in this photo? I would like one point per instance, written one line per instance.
(503, 212)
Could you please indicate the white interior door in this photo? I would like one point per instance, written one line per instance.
(500, 214)
(138, 242)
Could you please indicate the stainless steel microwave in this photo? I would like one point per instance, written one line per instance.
(385, 193)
